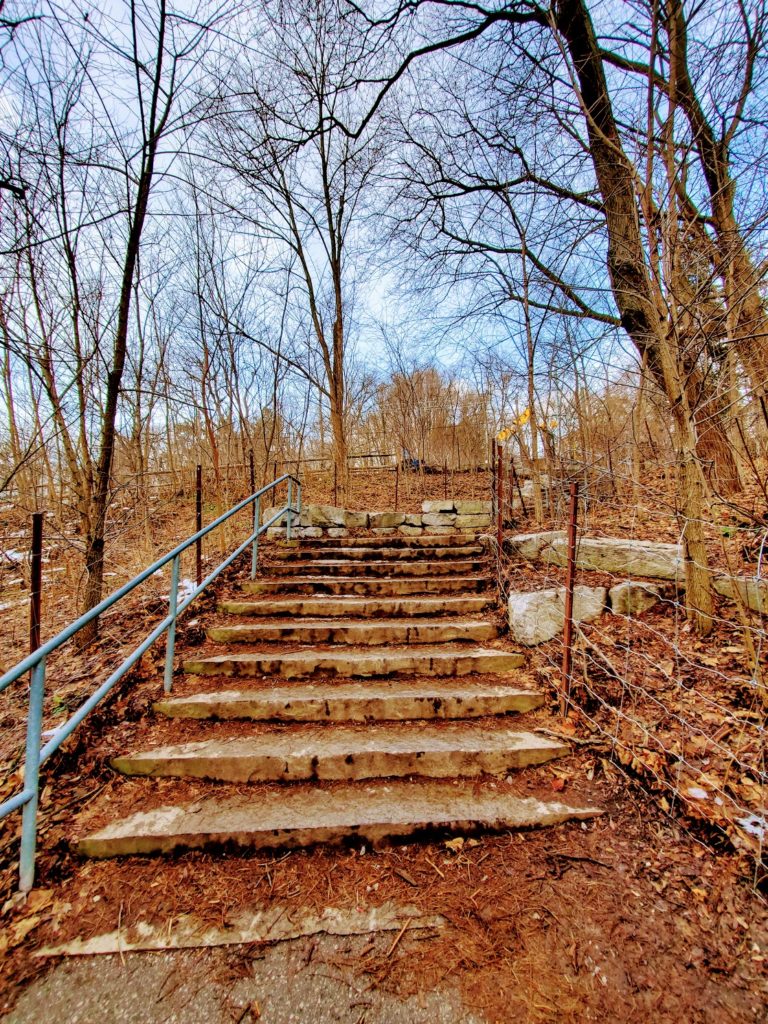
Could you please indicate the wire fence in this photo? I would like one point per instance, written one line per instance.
(683, 714)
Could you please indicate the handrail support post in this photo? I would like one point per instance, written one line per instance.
(289, 511)
(256, 524)
(171, 641)
(32, 777)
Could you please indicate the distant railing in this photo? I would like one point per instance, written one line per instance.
(35, 662)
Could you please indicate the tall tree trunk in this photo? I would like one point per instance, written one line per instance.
(641, 311)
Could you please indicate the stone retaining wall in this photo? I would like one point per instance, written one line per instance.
(436, 517)
(637, 559)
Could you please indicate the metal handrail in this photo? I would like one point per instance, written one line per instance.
(35, 662)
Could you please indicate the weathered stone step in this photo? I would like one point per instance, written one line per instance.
(356, 569)
(297, 816)
(362, 607)
(431, 750)
(377, 552)
(356, 631)
(352, 663)
(368, 587)
(355, 702)
(390, 540)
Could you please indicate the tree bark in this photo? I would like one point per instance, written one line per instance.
(641, 311)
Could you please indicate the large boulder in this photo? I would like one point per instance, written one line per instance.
(438, 519)
(624, 557)
(630, 598)
(437, 506)
(538, 616)
(385, 520)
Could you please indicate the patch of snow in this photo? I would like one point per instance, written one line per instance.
(16, 557)
(697, 793)
(186, 589)
(754, 825)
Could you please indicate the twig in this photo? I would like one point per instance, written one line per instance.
(589, 742)
(400, 934)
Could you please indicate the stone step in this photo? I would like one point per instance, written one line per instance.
(362, 607)
(298, 816)
(393, 540)
(355, 702)
(356, 631)
(358, 569)
(431, 750)
(368, 587)
(352, 663)
(378, 552)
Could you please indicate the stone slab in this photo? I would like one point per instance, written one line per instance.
(356, 631)
(376, 553)
(449, 604)
(357, 520)
(353, 568)
(473, 508)
(477, 522)
(531, 545)
(316, 585)
(380, 520)
(631, 598)
(304, 816)
(410, 531)
(625, 557)
(351, 663)
(323, 515)
(394, 539)
(244, 925)
(446, 505)
(355, 702)
(752, 592)
(430, 750)
(538, 616)
(438, 519)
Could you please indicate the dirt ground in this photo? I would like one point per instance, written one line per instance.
(626, 918)
(631, 917)
(636, 916)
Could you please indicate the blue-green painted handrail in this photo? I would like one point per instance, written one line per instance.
(35, 663)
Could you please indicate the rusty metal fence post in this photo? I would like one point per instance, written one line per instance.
(567, 673)
(199, 524)
(36, 581)
(397, 482)
(499, 495)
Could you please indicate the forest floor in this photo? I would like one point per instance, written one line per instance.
(647, 913)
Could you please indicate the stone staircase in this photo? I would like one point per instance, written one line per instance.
(366, 704)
